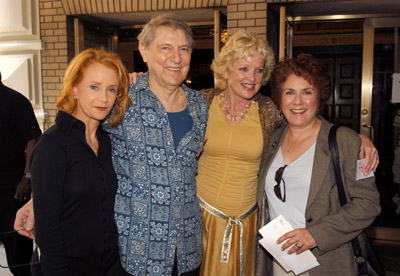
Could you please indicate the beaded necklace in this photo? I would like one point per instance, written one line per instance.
(228, 115)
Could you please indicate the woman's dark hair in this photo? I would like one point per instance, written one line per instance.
(305, 66)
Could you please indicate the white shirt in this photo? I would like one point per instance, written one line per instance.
(297, 177)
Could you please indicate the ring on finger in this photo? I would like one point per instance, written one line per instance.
(298, 247)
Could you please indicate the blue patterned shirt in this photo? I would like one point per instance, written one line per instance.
(156, 209)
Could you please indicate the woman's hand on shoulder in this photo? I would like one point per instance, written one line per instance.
(133, 77)
(299, 240)
(370, 153)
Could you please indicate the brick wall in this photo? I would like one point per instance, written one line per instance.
(53, 32)
(247, 14)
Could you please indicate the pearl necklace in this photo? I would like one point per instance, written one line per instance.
(231, 117)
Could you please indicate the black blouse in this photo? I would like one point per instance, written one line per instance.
(74, 194)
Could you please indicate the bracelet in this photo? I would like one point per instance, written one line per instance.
(28, 175)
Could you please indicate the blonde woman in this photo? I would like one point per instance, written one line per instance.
(239, 127)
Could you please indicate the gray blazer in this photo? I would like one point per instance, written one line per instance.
(331, 226)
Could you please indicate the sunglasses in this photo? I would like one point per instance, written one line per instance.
(277, 187)
(20, 265)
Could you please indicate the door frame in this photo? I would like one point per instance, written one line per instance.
(370, 24)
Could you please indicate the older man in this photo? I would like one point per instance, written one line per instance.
(156, 210)
(155, 157)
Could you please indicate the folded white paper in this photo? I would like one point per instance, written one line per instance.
(293, 262)
(359, 173)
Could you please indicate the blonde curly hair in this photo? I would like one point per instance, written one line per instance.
(242, 44)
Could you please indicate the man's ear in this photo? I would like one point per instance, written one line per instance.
(143, 52)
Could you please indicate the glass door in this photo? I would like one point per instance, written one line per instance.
(385, 133)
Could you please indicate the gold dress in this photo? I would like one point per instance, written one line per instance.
(227, 181)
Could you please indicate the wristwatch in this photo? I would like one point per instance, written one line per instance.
(28, 175)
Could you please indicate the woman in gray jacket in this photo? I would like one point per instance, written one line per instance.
(298, 179)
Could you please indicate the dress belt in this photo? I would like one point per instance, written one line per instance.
(226, 244)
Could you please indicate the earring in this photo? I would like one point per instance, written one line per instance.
(75, 97)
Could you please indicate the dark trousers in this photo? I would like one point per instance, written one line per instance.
(115, 270)
(18, 248)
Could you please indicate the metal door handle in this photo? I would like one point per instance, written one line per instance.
(371, 132)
